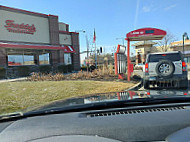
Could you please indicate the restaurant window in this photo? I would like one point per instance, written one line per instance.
(44, 58)
(20, 57)
(67, 59)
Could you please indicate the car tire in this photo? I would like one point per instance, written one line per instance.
(171, 71)
(146, 84)
(184, 84)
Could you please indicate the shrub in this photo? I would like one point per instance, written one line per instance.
(23, 71)
(2, 72)
(45, 69)
(103, 73)
(70, 68)
(47, 77)
(111, 69)
(62, 68)
(84, 68)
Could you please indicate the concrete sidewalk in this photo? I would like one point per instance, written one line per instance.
(13, 80)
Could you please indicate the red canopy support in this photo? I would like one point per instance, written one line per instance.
(128, 60)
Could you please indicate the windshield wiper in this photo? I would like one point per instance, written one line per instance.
(11, 116)
(98, 106)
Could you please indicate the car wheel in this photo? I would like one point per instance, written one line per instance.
(146, 84)
(165, 68)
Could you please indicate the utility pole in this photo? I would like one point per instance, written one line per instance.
(95, 56)
(87, 44)
(123, 39)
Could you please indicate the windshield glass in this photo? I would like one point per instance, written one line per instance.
(77, 52)
(171, 57)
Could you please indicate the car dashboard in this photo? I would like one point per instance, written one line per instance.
(140, 123)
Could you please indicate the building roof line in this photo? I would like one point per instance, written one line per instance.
(25, 11)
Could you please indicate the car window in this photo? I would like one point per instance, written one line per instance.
(158, 57)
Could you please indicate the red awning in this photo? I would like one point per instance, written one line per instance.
(67, 49)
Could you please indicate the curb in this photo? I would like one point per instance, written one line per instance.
(135, 87)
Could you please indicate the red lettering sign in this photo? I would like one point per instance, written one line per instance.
(146, 34)
(19, 28)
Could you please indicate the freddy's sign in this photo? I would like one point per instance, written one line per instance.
(11, 26)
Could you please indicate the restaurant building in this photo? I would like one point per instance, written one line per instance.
(178, 46)
(142, 48)
(30, 39)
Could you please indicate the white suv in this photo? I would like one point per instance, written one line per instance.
(165, 70)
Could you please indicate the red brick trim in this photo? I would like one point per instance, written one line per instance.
(2, 45)
(66, 32)
(66, 49)
(63, 23)
(53, 15)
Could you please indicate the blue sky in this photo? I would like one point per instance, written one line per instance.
(113, 18)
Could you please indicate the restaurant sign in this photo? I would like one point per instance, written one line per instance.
(13, 27)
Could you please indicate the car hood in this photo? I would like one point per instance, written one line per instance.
(116, 96)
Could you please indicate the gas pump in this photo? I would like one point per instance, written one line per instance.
(120, 61)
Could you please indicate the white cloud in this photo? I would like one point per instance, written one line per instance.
(170, 7)
(136, 14)
(146, 9)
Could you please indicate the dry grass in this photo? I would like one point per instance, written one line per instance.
(16, 96)
(101, 73)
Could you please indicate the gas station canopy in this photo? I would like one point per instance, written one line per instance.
(145, 34)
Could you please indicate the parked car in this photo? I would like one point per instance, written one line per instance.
(165, 70)
(140, 66)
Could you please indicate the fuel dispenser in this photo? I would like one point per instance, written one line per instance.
(120, 61)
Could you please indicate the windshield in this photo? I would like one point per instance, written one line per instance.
(171, 57)
(77, 52)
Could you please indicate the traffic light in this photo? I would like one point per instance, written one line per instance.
(100, 49)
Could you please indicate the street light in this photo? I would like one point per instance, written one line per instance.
(123, 39)
(185, 37)
(87, 46)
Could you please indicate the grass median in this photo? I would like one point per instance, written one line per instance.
(16, 96)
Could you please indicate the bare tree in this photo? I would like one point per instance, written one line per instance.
(114, 49)
(165, 43)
